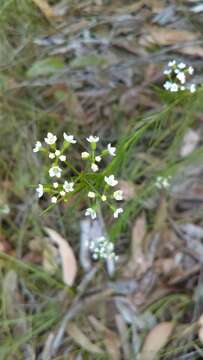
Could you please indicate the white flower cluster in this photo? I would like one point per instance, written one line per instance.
(178, 77)
(102, 249)
(60, 190)
(163, 182)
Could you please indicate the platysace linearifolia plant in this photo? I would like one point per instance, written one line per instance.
(179, 77)
(65, 180)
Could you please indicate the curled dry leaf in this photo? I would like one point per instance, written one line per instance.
(156, 340)
(69, 264)
(80, 338)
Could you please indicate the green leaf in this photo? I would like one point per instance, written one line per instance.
(89, 60)
(45, 67)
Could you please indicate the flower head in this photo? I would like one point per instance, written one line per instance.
(40, 190)
(69, 138)
(118, 195)
(190, 70)
(37, 147)
(162, 182)
(181, 65)
(111, 150)
(103, 197)
(167, 85)
(117, 212)
(91, 212)
(94, 167)
(110, 180)
(51, 155)
(181, 76)
(93, 139)
(192, 88)
(98, 158)
(55, 185)
(174, 87)
(101, 248)
(55, 171)
(62, 157)
(91, 194)
(50, 139)
(172, 63)
(68, 186)
(85, 155)
(54, 199)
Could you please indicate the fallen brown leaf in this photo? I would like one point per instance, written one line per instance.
(165, 36)
(68, 259)
(156, 340)
(111, 340)
(80, 338)
(138, 235)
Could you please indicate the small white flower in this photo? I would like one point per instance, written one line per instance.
(174, 87)
(167, 72)
(110, 180)
(40, 190)
(91, 194)
(55, 185)
(62, 157)
(51, 156)
(118, 195)
(117, 212)
(181, 76)
(69, 138)
(54, 199)
(50, 139)
(98, 158)
(192, 88)
(91, 212)
(57, 152)
(102, 248)
(167, 85)
(111, 150)
(176, 71)
(94, 167)
(68, 186)
(62, 193)
(103, 197)
(162, 182)
(182, 88)
(93, 139)
(190, 70)
(181, 65)
(85, 155)
(172, 63)
(37, 147)
(55, 171)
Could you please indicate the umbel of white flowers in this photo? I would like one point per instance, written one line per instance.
(103, 249)
(179, 77)
(62, 189)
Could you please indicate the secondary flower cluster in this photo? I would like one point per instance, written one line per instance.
(163, 182)
(102, 249)
(61, 189)
(178, 77)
